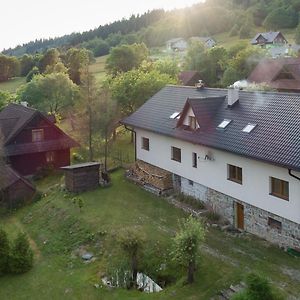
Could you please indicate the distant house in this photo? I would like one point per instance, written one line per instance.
(32, 141)
(208, 41)
(269, 38)
(282, 74)
(189, 78)
(15, 190)
(177, 44)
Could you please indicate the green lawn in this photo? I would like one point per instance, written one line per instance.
(98, 68)
(56, 228)
(13, 84)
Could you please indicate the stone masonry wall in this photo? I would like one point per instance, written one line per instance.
(255, 219)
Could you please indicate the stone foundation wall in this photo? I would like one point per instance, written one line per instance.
(255, 219)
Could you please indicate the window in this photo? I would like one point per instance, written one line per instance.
(191, 182)
(37, 135)
(145, 143)
(248, 128)
(224, 124)
(192, 122)
(274, 223)
(50, 157)
(235, 174)
(279, 188)
(175, 115)
(176, 154)
(194, 157)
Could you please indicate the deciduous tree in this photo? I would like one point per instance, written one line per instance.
(186, 245)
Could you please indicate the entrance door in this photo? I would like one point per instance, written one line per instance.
(240, 216)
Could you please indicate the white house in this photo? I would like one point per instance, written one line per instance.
(177, 44)
(237, 151)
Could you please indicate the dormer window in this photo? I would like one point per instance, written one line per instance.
(175, 115)
(192, 123)
(224, 124)
(37, 135)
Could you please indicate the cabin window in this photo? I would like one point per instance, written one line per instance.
(176, 154)
(192, 122)
(145, 143)
(235, 174)
(194, 159)
(37, 135)
(279, 188)
(191, 182)
(50, 157)
(274, 224)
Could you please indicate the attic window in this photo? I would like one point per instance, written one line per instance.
(248, 128)
(175, 115)
(224, 124)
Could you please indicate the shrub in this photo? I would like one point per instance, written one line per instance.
(4, 252)
(212, 216)
(190, 200)
(21, 259)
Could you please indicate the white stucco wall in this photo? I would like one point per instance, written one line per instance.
(213, 174)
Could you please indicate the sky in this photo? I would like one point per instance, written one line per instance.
(22, 21)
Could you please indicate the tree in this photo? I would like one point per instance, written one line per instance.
(281, 17)
(27, 62)
(186, 245)
(4, 251)
(9, 67)
(5, 98)
(234, 30)
(133, 88)
(50, 58)
(297, 35)
(125, 58)
(32, 73)
(89, 96)
(53, 92)
(132, 240)
(21, 259)
(107, 119)
(231, 75)
(76, 60)
(167, 66)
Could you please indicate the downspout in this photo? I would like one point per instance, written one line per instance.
(291, 174)
(135, 152)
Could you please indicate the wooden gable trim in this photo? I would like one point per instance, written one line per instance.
(183, 114)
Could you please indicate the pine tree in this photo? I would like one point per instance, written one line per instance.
(4, 252)
(21, 259)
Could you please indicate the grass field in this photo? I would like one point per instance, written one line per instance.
(98, 68)
(57, 228)
(13, 84)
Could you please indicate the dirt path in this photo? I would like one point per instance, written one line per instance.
(32, 243)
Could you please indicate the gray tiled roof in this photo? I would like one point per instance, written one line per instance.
(276, 138)
(269, 36)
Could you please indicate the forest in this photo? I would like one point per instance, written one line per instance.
(155, 27)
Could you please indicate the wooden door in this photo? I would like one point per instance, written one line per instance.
(240, 216)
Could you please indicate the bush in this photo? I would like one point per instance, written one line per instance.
(212, 216)
(193, 202)
(4, 252)
(21, 259)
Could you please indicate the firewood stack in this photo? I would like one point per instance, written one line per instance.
(149, 174)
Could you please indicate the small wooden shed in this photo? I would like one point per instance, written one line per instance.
(82, 177)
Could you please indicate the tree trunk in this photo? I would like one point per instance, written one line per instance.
(134, 268)
(105, 151)
(191, 271)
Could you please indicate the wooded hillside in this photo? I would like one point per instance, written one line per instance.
(157, 26)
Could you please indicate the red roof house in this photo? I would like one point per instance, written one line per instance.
(282, 74)
(32, 141)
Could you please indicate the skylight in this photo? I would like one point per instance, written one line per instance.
(224, 124)
(175, 115)
(248, 128)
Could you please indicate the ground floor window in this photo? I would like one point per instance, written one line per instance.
(50, 156)
(145, 143)
(274, 223)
